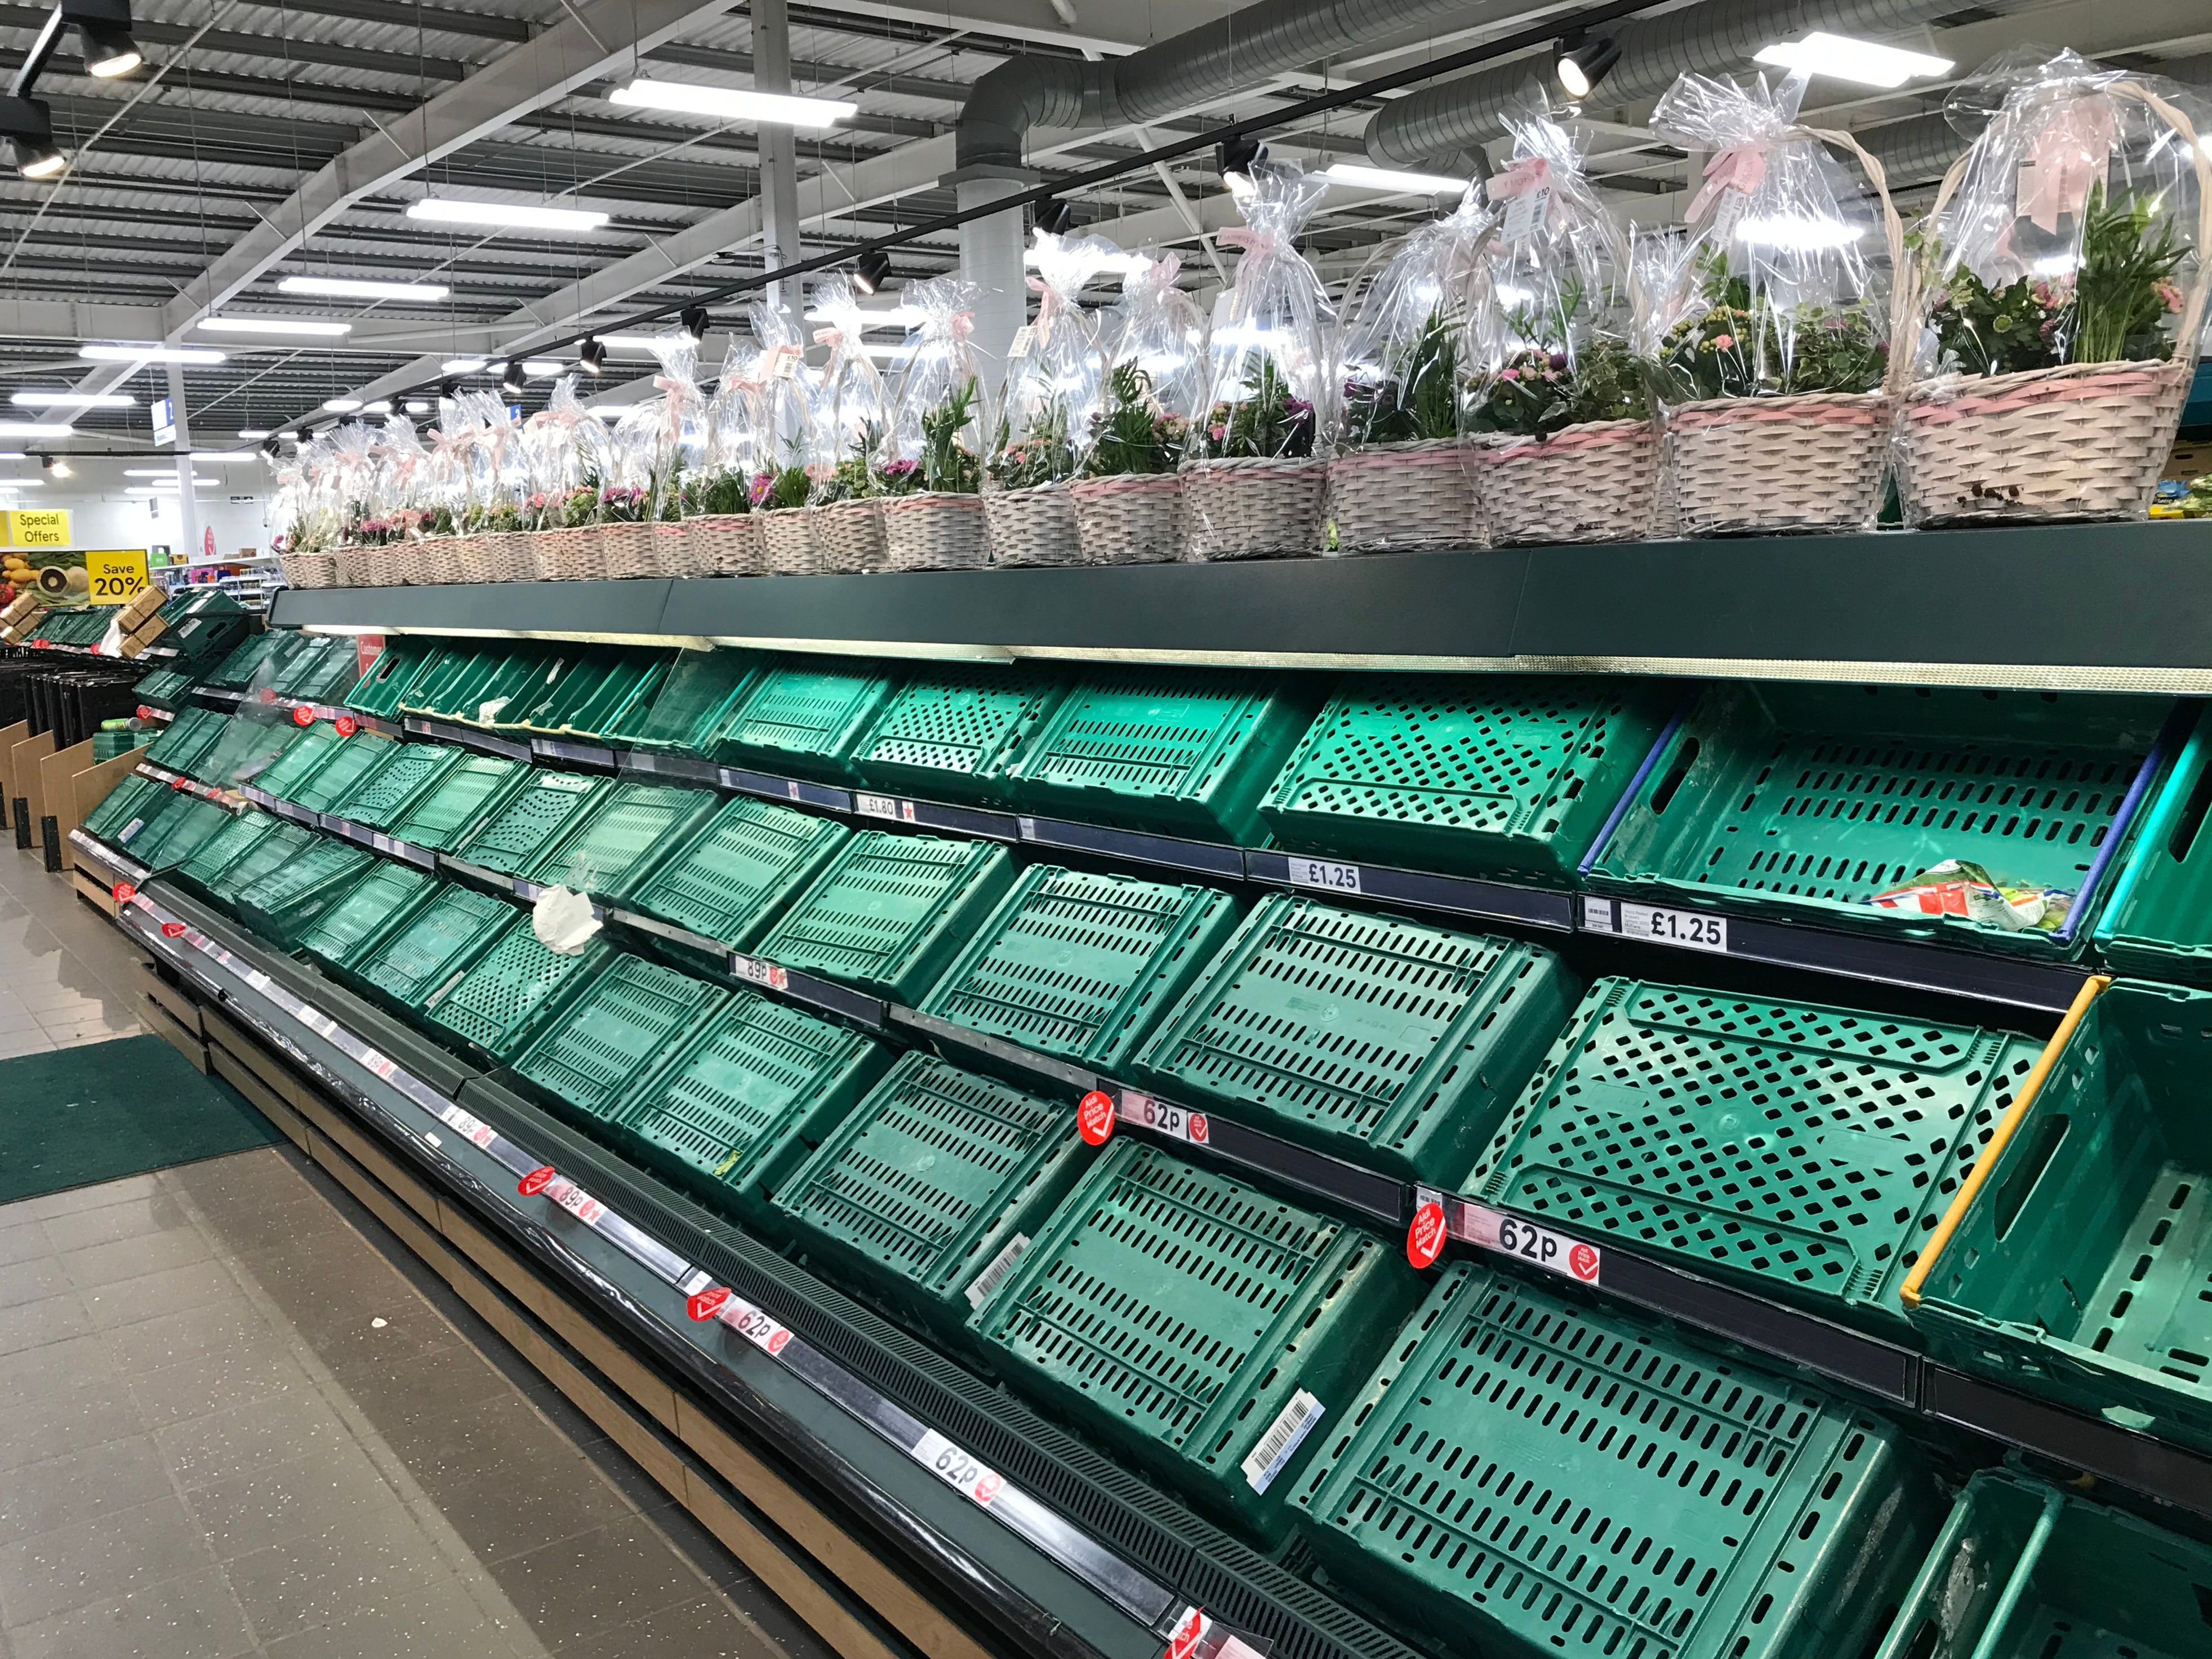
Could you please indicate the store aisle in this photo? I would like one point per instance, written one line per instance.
(66, 976)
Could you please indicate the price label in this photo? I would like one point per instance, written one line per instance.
(756, 1327)
(1540, 1247)
(1425, 1238)
(536, 1181)
(1329, 878)
(124, 892)
(1094, 1117)
(469, 1127)
(172, 929)
(875, 806)
(707, 1304)
(957, 1469)
(346, 725)
(1024, 337)
(1525, 215)
(303, 715)
(1691, 930)
(776, 977)
(1165, 1117)
(576, 1201)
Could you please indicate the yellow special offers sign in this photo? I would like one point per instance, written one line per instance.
(45, 526)
(118, 574)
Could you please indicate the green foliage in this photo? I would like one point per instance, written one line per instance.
(791, 487)
(1041, 455)
(1133, 434)
(948, 464)
(1418, 397)
(1736, 346)
(710, 493)
(1264, 421)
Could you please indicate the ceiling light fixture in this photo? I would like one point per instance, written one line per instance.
(167, 472)
(350, 287)
(692, 319)
(1582, 62)
(1865, 62)
(103, 32)
(341, 405)
(28, 126)
(418, 406)
(511, 379)
(380, 406)
(58, 465)
(74, 400)
(253, 434)
(461, 366)
(36, 430)
(871, 269)
(306, 327)
(733, 104)
(454, 211)
(132, 351)
(1238, 155)
(1354, 176)
(592, 358)
(1055, 217)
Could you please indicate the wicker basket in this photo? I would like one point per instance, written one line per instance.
(309, 569)
(436, 559)
(666, 554)
(494, 556)
(1766, 466)
(624, 549)
(1033, 527)
(848, 536)
(1598, 482)
(725, 545)
(1258, 509)
(787, 541)
(1133, 518)
(1419, 493)
(565, 555)
(372, 566)
(936, 530)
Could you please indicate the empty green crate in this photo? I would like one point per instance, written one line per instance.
(623, 838)
(1392, 1043)
(928, 1191)
(531, 820)
(1082, 966)
(419, 686)
(285, 902)
(692, 702)
(347, 765)
(281, 847)
(1525, 1475)
(408, 772)
(164, 687)
(319, 668)
(1186, 751)
(2025, 1571)
(749, 1095)
(1801, 802)
(425, 956)
(382, 898)
(512, 989)
(232, 841)
(890, 911)
(310, 747)
(734, 880)
(183, 827)
(2083, 1269)
(106, 745)
(251, 664)
(444, 815)
(806, 719)
(1505, 777)
(1809, 1149)
(552, 673)
(596, 705)
(947, 733)
(133, 799)
(1193, 1322)
(2159, 920)
(190, 736)
(625, 1021)
(243, 751)
(378, 691)
(495, 681)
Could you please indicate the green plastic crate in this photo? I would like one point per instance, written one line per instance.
(423, 957)
(281, 846)
(1504, 777)
(749, 1094)
(245, 748)
(382, 797)
(1526, 1475)
(382, 898)
(164, 687)
(2158, 922)
(451, 684)
(319, 668)
(2024, 1570)
(190, 736)
(530, 821)
(692, 702)
(418, 681)
(133, 798)
(1795, 802)
(623, 838)
(492, 682)
(512, 989)
(251, 664)
(1186, 751)
(805, 718)
(947, 733)
(1183, 1316)
(1082, 966)
(378, 691)
(734, 880)
(1391, 1043)
(237, 838)
(552, 673)
(181, 830)
(1807, 1148)
(310, 747)
(107, 746)
(2082, 1270)
(890, 911)
(597, 707)
(286, 902)
(444, 815)
(624, 1023)
(347, 765)
(929, 1191)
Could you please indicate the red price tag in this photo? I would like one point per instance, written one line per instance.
(347, 726)
(125, 892)
(707, 1303)
(42, 645)
(268, 694)
(1582, 1262)
(1425, 1237)
(145, 712)
(172, 929)
(181, 782)
(535, 1182)
(303, 715)
(1094, 1117)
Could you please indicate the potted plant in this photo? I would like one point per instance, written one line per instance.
(932, 484)
(1129, 493)
(846, 523)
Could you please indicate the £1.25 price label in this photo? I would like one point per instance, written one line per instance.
(1540, 1247)
(1321, 873)
(1687, 930)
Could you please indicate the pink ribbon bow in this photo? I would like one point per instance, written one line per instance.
(1254, 244)
(1518, 176)
(832, 337)
(2070, 154)
(1740, 167)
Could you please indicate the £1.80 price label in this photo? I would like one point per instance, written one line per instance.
(1540, 1247)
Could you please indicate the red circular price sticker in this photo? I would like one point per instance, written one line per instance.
(145, 712)
(1424, 1239)
(535, 1182)
(303, 715)
(267, 693)
(1094, 1117)
(706, 1302)
(988, 1484)
(125, 892)
(1582, 1262)
(180, 782)
(346, 725)
(172, 929)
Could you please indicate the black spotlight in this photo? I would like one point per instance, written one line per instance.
(1056, 216)
(1582, 63)
(692, 319)
(591, 356)
(29, 129)
(871, 270)
(1238, 155)
(450, 387)
(103, 28)
(270, 447)
(511, 380)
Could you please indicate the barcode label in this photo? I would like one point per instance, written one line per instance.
(1283, 1437)
(439, 995)
(1319, 873)
(1024, 337)
(988, 1282)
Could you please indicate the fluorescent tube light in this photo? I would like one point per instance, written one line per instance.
(461, 365)
(734, 103)
(307, 327)
(454, 211)
(133, 351)
(1865, 62)
(252, 434)
(74, 400)
(36, 430)
(350, 287)
(342, 405)
(1398, 184)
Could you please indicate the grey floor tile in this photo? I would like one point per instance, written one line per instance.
(80, 1485)
(23, 1238)
(225, 1444)
(217, 1382)
(37, 1425)
(454, 1446)
(134, 1258)
(192, 1617)
(98, 1196)
(187, 1334)
(42, 1323)
(115, 1553)
(328, 1493)
(540, 1496)
(171, 1291)
(305, 1582)
(53, 1370)
(441, 1381)
(580, 1587)
(154, 1210)
(15, 1044)
(35, 1279)
(434, 1620)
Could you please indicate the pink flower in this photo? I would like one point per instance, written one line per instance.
(1509, 374)
(1724, 341)
(2170, 295)
(1217, 433)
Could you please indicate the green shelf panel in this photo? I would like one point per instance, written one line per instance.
(1082, 966)
(1181, 1314)
(423, 958)
(623, 838)
(1503, 776)
(947, 733)
(1388, 1042)
(288, 899)
(2082, 1270)
(442, 816)
(890, 911)
(382, 898)
(250, 664)
(1525, 1475)
(806, 719)
(133, 798)
(734, 880)
(750, 1093)
(181, 830)
(530, 820)
(378, 691)
(692, 702)
(512, 989)
(190, 736)
(354, 759)
(1807, 1148)
(234, 840)
(1800, 802)
(930, 1190)
(310, 747)
(1189, 751)
(626, 1021)
(2024, 1570)
(410, 771)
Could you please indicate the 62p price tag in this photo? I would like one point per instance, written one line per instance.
(957, 1469)
(1540, 1247)
(1165, 1117)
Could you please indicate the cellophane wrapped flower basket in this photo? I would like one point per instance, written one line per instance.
(1597, 481)
(1253, 506)
(1034, 526)
(1417, 492)
(933, 519)
(624, 548)
(2066, 348)
(788, 536)
(1133, 519)
(935, 530)
(849, 536)
(374, 567)
(1129, 493)
(309, 569)
(725, 545)
(567, 554)
(498, 555)
(435, 560)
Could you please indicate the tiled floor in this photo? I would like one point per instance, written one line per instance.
(66, 976)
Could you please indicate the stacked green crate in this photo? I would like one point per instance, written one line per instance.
(319, 669)
(182, 827)
(947, 733)
(624, 1024)
(1526, 1474)
(425, 956)
(354, 759)
(190, 736)
(125, 808)
(1189, 751)
(383, 897)
(734, 880)
(280, 850)
(749, 1094)
(1392, 1043)
(250, 664)
(624, 839)
(286, 902)
(310, 747)
(444, 816)
(929, 1191)
(106, 745)
(499, 680)
(409, 771)
(164, 687)
(245, 748)
(531, 819)
(692, 702)
(1081, 966)
(230, 843)
(378, 690)
(514, 986)
(1197, 1324)
(890, 911)
(1808, 1149)
(549, 674)
(596, 705)
(2159, 920)
(452, 680)
(804, 716)
(1507, 776)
